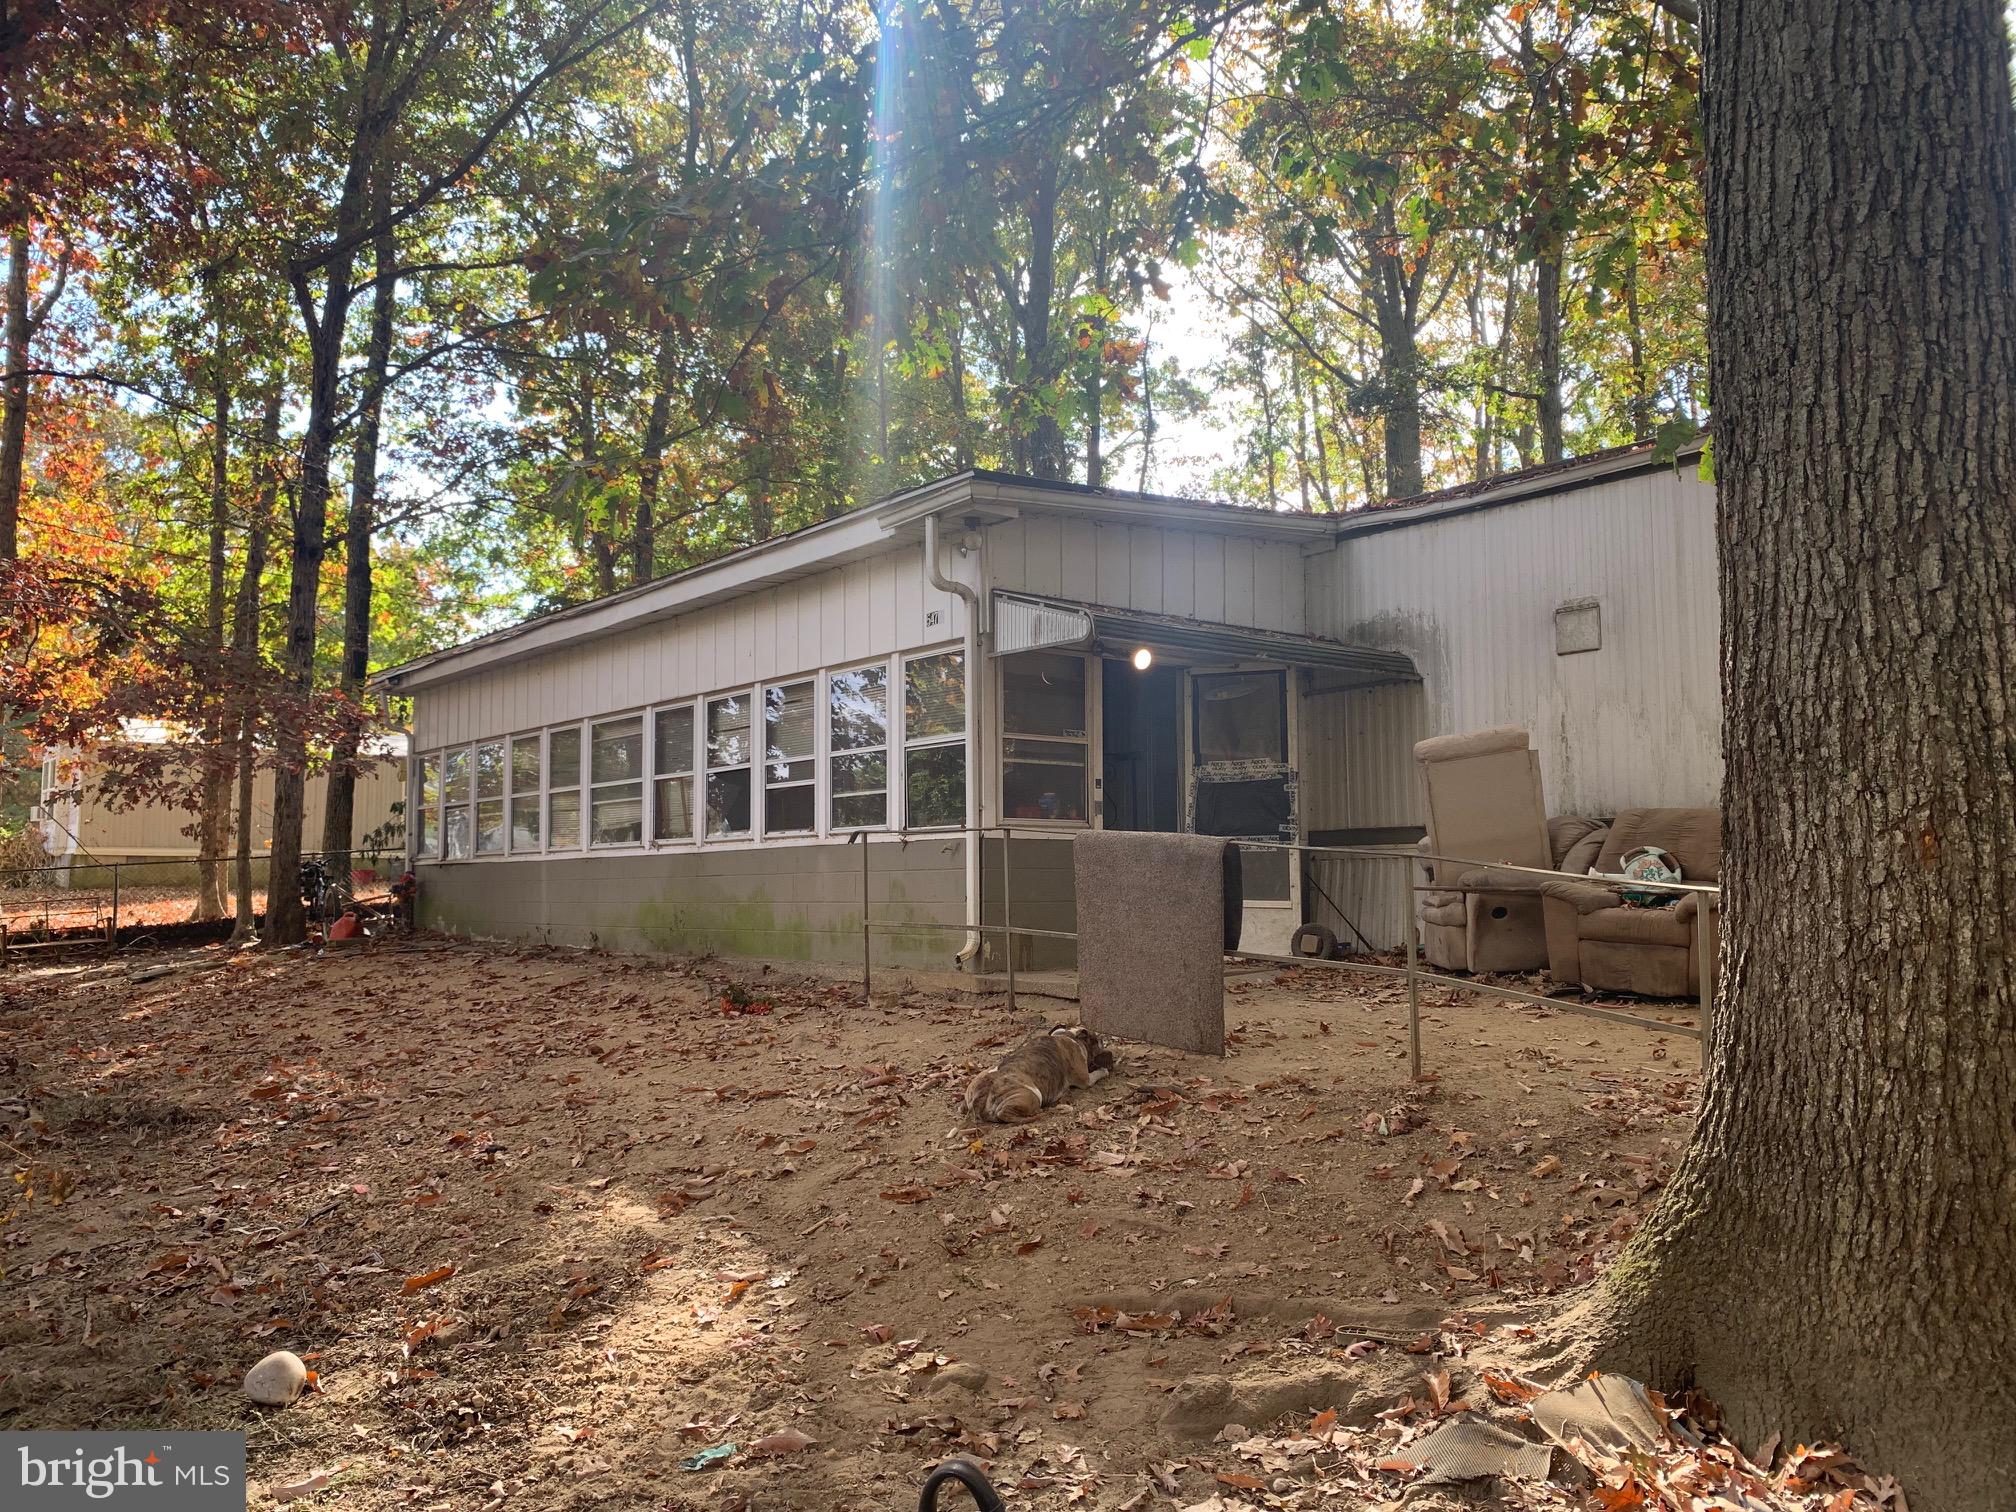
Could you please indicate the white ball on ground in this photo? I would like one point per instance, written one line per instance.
(276, 1380)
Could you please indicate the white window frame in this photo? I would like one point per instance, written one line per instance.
(590, 787)
(430, 813)
(578, 787)
(513, 798)
(696, 796)
(1091, 667)
(761, 785)
(502, 746)
(704, 728)
(908, 743)
(467, 753)
(890, 748)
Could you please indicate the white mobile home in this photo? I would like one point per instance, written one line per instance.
(715, 760)
(81, 825)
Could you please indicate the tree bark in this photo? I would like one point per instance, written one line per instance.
(324, 323)
(340, 797)
(1394, 300)
(1046, 437)
(213, 819)
(1547, 315)
(1833, 1257)
(286, 923)
(651, 474)
(1095, 463)
(1640, 402)
(245, 658)
(14, 395)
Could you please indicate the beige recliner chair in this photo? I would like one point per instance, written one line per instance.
(1594, 937)
(1484, 805)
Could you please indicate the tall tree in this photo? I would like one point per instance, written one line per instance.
(22, 317)
(340, 794)
(399, 61)
(1833, 1255)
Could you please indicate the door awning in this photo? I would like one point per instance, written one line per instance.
(1026, 623)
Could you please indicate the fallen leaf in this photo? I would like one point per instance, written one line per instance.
(789, 1441)
(317, 1482)
(420, 1283)
(1509, 1388)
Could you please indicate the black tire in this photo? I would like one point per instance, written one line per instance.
(968, 1475)
(1314, 942)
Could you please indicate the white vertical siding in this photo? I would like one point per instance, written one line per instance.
(1471, 599)
(1207, 575)
(1358, 773)
(859, 610)
(1358, 757)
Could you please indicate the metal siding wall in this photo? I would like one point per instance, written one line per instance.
(854, 612)
(1359, 773)
(1234, 580)
(1472, 598)
(1358, 757)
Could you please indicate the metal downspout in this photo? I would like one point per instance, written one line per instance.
(975, 702)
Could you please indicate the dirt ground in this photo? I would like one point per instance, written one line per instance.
(545, 1224)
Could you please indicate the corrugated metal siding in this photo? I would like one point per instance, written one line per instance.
(1358, 757)
(1232, 579)
(1471, 599)
(864, 609)
(1359, 773)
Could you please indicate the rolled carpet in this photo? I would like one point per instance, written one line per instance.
(1154, 916)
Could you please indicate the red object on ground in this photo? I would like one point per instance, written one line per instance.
(349, 927)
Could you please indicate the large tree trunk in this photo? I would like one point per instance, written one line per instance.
(1834, 1255)
(1639, 404)
(286, 922)
(1547, 315)
(1399, 371)
(245, 660)
(340, 799)
(651, 473)
(213, 820)
(14, 395)
(1047, 454)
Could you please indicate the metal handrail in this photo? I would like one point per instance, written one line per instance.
(1412, 972)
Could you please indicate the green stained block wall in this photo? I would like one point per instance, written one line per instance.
(797, 902)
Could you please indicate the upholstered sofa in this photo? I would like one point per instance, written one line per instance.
(1597, 939)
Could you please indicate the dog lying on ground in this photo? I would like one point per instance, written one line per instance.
(1037, 1073)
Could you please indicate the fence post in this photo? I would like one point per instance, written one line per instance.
(867, 934)
(1007, 916)
(1413, 982)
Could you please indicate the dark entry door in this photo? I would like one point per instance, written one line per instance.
(1142, 729)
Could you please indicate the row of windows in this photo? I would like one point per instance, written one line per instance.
(737, 766)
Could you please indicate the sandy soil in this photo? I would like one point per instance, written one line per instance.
(546, 1224)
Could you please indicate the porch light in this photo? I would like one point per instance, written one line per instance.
(1143, 659)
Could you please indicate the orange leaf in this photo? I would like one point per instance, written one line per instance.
(1240, 1482)
(414, 1284)
(1509, 1388)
